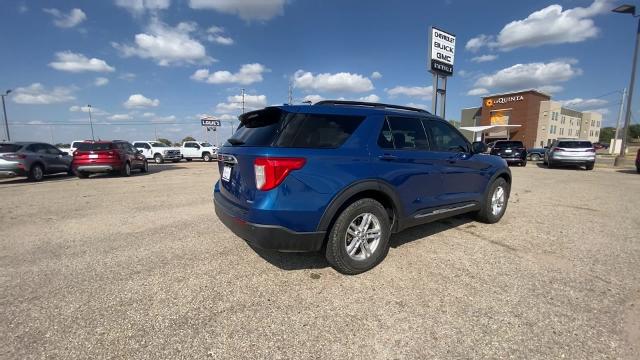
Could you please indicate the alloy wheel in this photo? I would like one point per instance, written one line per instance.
(497, 201)
(363, 236)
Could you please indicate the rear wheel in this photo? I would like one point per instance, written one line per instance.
(188, 159)
(82, 175)
(175, 160)
(535, 157)
(206, 157)
(359, 238)
(126, 169)
(36, 173)
(495, 202)
(524, 163)
(589, 166)
(549, 164)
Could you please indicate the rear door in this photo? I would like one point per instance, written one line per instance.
(58, 162)
(463, 174)
(401, 157)
(42, 154)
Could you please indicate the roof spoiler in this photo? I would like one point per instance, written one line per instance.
(369, 104)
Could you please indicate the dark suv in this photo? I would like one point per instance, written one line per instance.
(513, 152)
(343, 176)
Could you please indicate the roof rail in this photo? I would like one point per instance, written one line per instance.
(370, 104)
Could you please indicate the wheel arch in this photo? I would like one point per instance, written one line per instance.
(374, 189)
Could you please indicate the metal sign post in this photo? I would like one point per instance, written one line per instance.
(441, 55)
(211, 124)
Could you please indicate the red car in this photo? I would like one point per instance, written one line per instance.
(107, 157)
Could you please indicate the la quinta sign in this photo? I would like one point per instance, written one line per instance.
(503, 100)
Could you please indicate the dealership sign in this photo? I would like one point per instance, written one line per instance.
(503, 100)
(209, 121)
(442, 51)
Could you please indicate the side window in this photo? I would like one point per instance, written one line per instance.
(51, 150)
(408, 133)
(189, 145)
(146, 146)
(35, 148)
(139, 145)
(385, 139)
(444, 137)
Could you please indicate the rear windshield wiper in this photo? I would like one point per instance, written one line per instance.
(233, 141)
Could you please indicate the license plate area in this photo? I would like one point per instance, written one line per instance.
(226, 173)
(93, 156)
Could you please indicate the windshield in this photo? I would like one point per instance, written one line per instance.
(205, 144)
(7, 148)
(93, 146)
(575, 144)
(158, 144)
(508, 144)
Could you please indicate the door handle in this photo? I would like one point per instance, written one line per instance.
(387, 157)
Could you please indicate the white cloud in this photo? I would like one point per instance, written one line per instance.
(248, 74)
(215, 34)
(101, 81)
(343, 81)
(128, 76)
(148, 114)
(550, 89)
(477, 92)
(484, 58)
(37, 94)
(424, 93)
(234, 103)
(521, 76)
(75, 62)
(550, 25)
(120, 117)
(376, 75)
(85, 109)
(370, 98)
(73, 18)
(163, 119)
(140, 6)
(581, 104)
(314, 98)
(167, 45)
(246, 9)
(417, 105)
(140, 101)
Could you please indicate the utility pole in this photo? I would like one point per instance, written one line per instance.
(4, 109)
(615, 139)
(91, 123)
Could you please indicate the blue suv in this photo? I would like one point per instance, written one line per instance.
(342, 176)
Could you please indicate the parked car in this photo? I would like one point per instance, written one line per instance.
(74, 146)
(600, 146)
(115, 156)
(536, 154)
(343, 176)
(198, 150)
(638, 161)
(158, 151)
(32, 159)
(513, 152)
(570, 152)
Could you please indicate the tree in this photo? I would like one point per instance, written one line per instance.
(64, 146)
(165, 141)
(606, 134)
(177, 144)
(634, 133)
(188, 138)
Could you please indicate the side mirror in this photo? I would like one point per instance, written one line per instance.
(478, 147)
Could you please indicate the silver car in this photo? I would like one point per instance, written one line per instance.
(32, 159)
(570, 152)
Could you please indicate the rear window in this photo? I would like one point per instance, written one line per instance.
(508, 144)
(7, 148)
(575, 144)
(273, 127)
(94, 146)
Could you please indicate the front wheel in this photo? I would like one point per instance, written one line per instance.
(359, 238)
(495, 202)
(145, 167)
(158, 159)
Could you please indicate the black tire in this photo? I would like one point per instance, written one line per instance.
(175, 160)
(549, 164)
(188, 159)
(486, 214)
(126, 170)
(535, 157)
(589, 166)
(158, 158)
(336, 251)
(145, 167)
(206, 157)
(524, 163)
(638, 169)
(82, 175)
(36, 173)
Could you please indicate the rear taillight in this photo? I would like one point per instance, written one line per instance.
(558, 149)
(521, 149)
(270, 172)
(14, 156)
(591, 150)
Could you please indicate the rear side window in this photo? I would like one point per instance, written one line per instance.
(316, 131)
(7, 148)
(406, 133)
(575, 144)
(444, 137)
(508, 144)
(94, 146)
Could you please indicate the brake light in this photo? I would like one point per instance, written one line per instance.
(270, 172)
(558, 149)
(591, 150)
(520, 149)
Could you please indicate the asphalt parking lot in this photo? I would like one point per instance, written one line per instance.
(140, 267)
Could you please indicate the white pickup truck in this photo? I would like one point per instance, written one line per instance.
(198, 150)
(158, 151)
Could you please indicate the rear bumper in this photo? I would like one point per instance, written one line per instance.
(272, 237)
(11, 169)
(573, 159)
(95, 168)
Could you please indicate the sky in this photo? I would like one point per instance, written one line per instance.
(153, 68)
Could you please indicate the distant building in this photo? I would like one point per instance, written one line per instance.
(529, 116)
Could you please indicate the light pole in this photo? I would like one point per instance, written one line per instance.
(91, 123)
(628, 9)
(4, 109)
